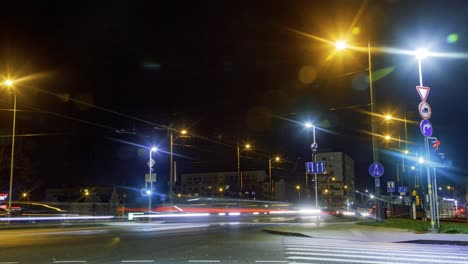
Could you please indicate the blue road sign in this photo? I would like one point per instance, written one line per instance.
(162, 197)
(376, 170)
(391, 186)
(315, 167)
(377, 182)
(402, 189)
(426, 128)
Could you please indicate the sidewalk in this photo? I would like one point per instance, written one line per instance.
(352, 231)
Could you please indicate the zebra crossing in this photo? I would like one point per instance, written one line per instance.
(310, 250)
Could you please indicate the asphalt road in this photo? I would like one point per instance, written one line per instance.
(204, 242)
(143, 243)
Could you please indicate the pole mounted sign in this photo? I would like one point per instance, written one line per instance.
(423, 92)
(426, 128)
(425, 110)
(316, 167)
(391, 186)
(376, 170)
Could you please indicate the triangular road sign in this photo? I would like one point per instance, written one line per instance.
(423, 92)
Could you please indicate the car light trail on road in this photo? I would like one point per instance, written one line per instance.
(45, 218)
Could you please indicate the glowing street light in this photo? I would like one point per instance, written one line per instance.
(421, 53)
(387, 137)
(246, 147)
(184, 133)
(341, 45)
(276, 159)
(388, 117)
(421, 160)
(9, 84)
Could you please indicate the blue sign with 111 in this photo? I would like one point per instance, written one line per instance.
(315, 167)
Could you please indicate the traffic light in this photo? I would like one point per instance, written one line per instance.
(437, 158)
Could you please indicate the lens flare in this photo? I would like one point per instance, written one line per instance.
(452, 38)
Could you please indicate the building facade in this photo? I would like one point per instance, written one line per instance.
(226, 184)
(336, 187)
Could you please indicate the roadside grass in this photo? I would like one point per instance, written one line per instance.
(419, 225)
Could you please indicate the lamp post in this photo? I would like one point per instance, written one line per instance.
(9, 84)
(341, 45)
(171, 162)
(150, 165)
(314, 148)
(239, 177)
(298, 188)
(453, 190)
(25, 196)
(420, 55)
(277, 159)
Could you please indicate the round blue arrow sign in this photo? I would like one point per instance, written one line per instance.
(426, 128)
(376, 170)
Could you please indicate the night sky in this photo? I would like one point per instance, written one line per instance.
(228, 71)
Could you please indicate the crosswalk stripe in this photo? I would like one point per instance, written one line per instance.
(381, 256)
(371, 250)
(300, 250)
(343, 260)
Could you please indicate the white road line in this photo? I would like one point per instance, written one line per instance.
(70, 261)
(374, 251)
(138, 261)
(271, 261)
(409, 258)
(8, 262)
(200, 261)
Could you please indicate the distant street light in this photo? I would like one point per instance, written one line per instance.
(277, 159)
(150, 165)
(9, 84)
(171, 161)
(388, 117)
(246, 147)
(298, 188)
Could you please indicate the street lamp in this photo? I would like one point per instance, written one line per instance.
(276, 159)
(340, 47)
(183, 132)
(298, 188)
(9, 83)
(246, 147)
(25, 196)
(150, 165)
(453, 190)
(314, 148)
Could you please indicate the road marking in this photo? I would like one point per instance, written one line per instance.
(210, 261)
(271, 261)
(8, 262)
(70, 261)
(138, 261)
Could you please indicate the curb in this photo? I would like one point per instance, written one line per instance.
(284, 233)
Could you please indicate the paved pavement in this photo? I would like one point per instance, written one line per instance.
(354, 232)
